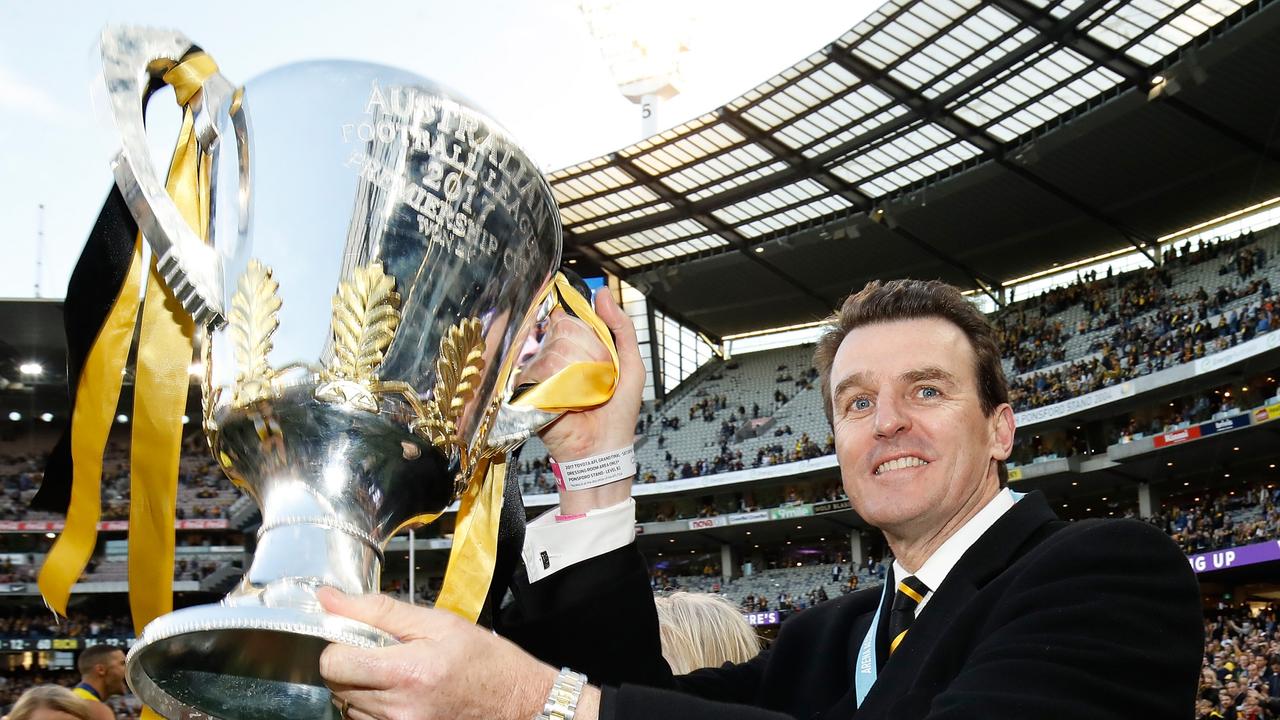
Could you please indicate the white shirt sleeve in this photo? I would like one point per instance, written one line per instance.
(550, 546)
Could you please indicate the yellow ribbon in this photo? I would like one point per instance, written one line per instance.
(578, 386)
(581, 385)
(162, 381)
(97, 396)
(475, 541)
(160, 394)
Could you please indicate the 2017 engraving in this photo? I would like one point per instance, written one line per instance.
(467, 172)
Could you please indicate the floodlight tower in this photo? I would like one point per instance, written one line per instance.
(643, 42)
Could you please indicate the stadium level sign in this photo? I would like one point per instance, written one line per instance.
(1266, 413)
(768, 617)
(1235, 557)
(830, 506)
(786, 513)
(1207, 428)
(748, 517)
(1174, 437)
(1226, 424)
(40, 526)
(707, 522)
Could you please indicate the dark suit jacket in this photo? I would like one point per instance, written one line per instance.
(1039, 619)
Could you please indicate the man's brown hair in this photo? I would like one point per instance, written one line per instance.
(911, 300)
(93, 656)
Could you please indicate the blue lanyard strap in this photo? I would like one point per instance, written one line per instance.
(865, 673)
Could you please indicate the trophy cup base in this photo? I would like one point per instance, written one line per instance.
(241, 663)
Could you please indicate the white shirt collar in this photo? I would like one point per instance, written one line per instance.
(939, 564)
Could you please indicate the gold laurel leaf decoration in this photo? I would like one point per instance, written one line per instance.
(458, 370)
(366, 313)
(254, 318)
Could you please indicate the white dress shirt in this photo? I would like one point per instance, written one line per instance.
(935, 569)
(550, 546)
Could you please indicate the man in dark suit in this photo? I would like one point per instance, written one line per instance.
(993, 608)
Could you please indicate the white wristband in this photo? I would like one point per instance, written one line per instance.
(596, 470)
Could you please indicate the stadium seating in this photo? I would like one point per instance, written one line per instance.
(1106, 349)
(788, 588)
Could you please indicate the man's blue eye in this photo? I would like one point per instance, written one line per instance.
(929, 392)
(861, 404)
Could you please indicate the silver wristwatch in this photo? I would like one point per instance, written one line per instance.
(562, 701)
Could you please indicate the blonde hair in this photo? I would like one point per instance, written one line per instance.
(700, 631)
(51, 697)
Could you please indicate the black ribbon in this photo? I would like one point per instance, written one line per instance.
(95, 284)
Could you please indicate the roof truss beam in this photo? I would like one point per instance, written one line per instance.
(860, 200)
(780, 179)
(719, 227)
(937, 113)
(1139, 77)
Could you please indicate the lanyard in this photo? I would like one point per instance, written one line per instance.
(866, 672)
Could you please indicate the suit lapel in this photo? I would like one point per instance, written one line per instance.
(847, 705)
(985, 559)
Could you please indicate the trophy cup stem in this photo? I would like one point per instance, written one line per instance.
(265, 638)
(304, 543)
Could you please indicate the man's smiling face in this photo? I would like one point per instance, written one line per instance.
(913, 443)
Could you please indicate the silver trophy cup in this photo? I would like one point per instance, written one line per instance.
(379, 252)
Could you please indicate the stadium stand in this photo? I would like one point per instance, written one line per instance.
(765, 409)
(203, 491)
(1239, 518)
(789, 589)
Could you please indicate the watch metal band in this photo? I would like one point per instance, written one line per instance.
(562, 701)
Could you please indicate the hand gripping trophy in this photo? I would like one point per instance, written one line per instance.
(359, 256)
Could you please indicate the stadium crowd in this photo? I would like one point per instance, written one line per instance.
(1224, 520)
(27, 623)
(1150, 325)
(203, 491)
(1240, 677)
(1092, 333)
(14, 682)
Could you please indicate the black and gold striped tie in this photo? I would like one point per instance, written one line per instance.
(910, 594)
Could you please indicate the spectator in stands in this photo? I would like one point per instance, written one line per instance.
(922, 425)
(50, 702)
(702, 631)
(101, 677)
(1242, 657)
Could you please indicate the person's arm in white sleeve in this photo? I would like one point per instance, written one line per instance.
(551, 545)
(590, 522)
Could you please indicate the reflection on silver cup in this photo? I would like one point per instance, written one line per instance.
(379, 251)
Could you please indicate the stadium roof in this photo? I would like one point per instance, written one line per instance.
(969, 141)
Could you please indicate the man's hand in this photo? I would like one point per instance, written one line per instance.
(444, 669)
(603, 429)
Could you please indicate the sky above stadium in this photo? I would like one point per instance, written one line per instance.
(533, 64)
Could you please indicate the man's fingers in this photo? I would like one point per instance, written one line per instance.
(359, 704)
(404, 621)
(631, 367)
(343, 666)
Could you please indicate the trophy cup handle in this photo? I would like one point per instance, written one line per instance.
(133, 61)
(535, 407)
